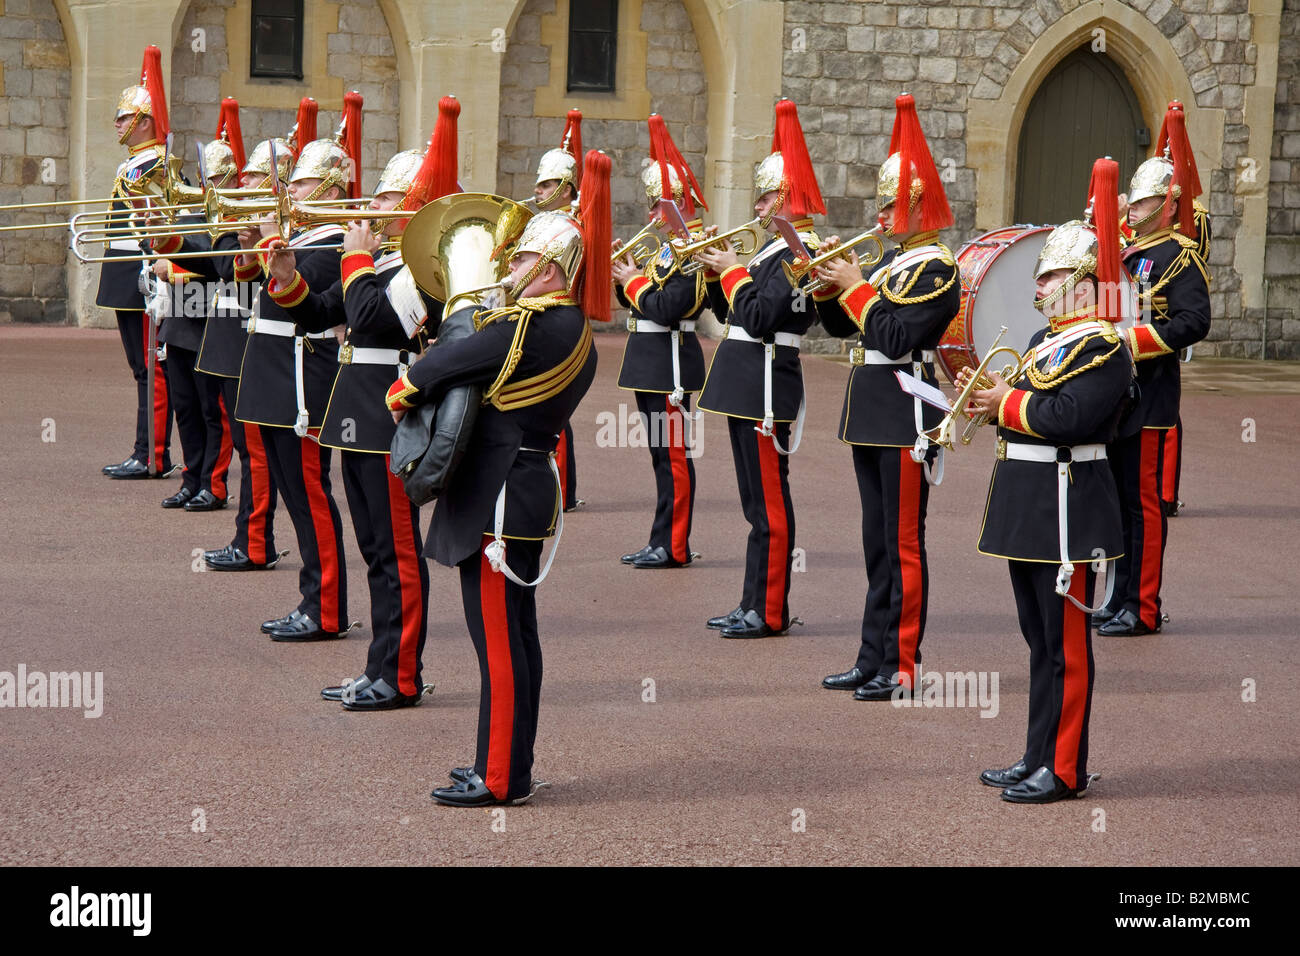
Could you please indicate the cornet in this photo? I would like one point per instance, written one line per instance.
(745, 240)
(802, 266)
(643, 246)
(942, 434)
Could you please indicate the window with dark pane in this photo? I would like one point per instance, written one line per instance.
(276, 39)
(593, 43)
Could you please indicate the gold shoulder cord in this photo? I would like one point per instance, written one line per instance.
(513, 356)
(901, 297)
(1046, 381)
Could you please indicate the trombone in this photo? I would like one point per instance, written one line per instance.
(744, 239)
(802, 266)
(943, 433)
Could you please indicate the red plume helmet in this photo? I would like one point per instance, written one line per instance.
(572, 141)
(915, 162)
(597, 231)
(304, 130)
(665, 152)
(151, 79)
(351, 141)
(1173, 136)
(436, 176)
(1103, 193)
(228, 129)
(803, 197)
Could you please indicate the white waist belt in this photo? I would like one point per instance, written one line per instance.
(780, 338)
(645, 325)
(125, 245)
(284, 329)
(1019, 451)
(863, 356)
(349, 355)
(227, 302)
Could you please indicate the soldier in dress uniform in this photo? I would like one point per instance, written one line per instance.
(142, 128)
(559, 174)
(899, 316)
(1052, 505)
(201, 419)
(387, 319)
(536, 361)
(222, 354)
(662, 360)
(285, 383)
(1173, 284)
(756, 380)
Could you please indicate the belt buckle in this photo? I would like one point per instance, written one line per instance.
(631, 323)
(1067, 451)
(1002, 449)
(345, 354)
(858, 355)
(252, 324)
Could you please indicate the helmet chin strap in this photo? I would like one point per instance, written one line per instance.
(1160, 207)
(517, 291)
(135, 121)
(766, 221)
(1060, 291)
(546, 203)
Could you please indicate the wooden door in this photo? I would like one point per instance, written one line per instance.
(1084, 109)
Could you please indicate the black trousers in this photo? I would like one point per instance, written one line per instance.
(502, 621)
(205, 438)
(301, 470)
(1059, 636)
(132, 328)
(763, 477)
(255, 519)
(388, 534)
(674, 473)
(1138, 464)
(894, 496)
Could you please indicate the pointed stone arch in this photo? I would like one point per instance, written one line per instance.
(1149, 60)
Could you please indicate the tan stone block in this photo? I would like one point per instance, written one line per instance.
(39, 54)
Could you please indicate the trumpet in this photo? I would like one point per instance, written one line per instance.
(643, 246)
(802, 266)
(942, 434)
(744, 239)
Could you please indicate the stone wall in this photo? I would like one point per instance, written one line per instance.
(360, 52)
(673, 77)
(858, 56)
(1282, 252)
(34, 88)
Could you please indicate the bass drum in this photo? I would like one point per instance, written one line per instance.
(997, 289)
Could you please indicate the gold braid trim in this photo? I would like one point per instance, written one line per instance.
(548, 384)
(902, 298)
(1046, 381)
(512, 358)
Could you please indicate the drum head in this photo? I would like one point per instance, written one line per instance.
(1006, 295)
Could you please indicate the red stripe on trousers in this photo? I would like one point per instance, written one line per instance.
(1074, 692)
(323, 522)
(259, 474)
(408, 576)
(1152, 515)
(159, 397)
(681, 481)
(1167, 491)
(562, 463)
(501, 677)
(778, 532)
(221, 468)
(909, 565)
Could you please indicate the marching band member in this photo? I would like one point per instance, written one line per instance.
(535, 360)
(387, 316)
(1173, 285)
(285, 383)
(142, 128)
(899, 317)
(662, 360)
(222, 355)
(756, 380)
(1052, 505)
(559, 175)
